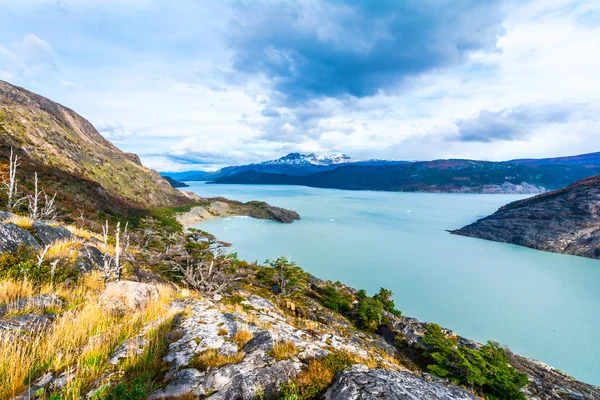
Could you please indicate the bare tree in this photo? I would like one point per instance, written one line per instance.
(49, 211)
(34, 199)
(11, 184)
(36, 210)
(106, 269)
(42, 255)
(118, 266)
(209, 278)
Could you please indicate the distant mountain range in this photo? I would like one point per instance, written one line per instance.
(294, 164)
(527, 176)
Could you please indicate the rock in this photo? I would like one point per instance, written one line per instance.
(185, 383)
(133, 346)
(28, 323)
(243, 382)
(38, 385)
(11, 237)
(39, 302)
(48, 234)
(89, 259)
(123, 296)
(217, 297)
(360, 383)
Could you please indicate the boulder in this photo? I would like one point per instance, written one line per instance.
(25, 324)
(11, 237)
(361, 383)
(42, 302)
(48, 234)
(123, 296)
(89, 259)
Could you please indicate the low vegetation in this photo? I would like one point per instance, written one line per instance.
(283, 350)
(211, 358)
(318, 375)
(486, 370)
(83, 337)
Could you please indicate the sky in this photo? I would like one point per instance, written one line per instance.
(192, 84)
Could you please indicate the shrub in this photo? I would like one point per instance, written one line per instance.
(211, 358)
(337, 301)
(370, 314)
(20, 221)
(385, 298)
(486, 370)
(242, 337)
(24, 265)
(312, 382)
(283, 350)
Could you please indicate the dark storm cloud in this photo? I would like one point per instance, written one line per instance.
(357, 48)
(511, 123)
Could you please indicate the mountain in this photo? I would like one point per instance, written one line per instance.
(72, 158)
(175, 183)
(592, 159)
(293, 164)
(563, 221)
(455, 176)
(310, 159)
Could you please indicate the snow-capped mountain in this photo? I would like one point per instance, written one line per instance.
(310, 159)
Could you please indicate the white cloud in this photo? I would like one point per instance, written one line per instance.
(159, 80)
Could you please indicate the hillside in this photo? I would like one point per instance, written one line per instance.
(456, 176)
(233, 330)
(563, 221)
(72, 157)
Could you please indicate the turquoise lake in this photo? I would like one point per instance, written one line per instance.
(541, 305)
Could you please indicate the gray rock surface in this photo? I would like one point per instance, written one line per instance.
(48, 234)
(24, 324)
(361, 383)
(41, 302)
(123, 296)
(11, 237)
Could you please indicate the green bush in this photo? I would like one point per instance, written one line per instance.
(23, 264)
(370, 314)
(337, 301)
(486, 370)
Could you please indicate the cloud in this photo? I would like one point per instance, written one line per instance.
(27, 58)
(335, 49)
(518, 123)
(113, 131)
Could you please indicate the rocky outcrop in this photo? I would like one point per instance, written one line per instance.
(123, 296)
(41, 302)
(11, 237)
(362, 383)
(564, 221)
(220, 207)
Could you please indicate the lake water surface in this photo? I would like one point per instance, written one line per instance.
(542, 305)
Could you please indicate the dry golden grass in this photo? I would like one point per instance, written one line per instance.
(82, 233)
(242, 337)
(11, 290)
(83, 337)
(212, 359)
(62, 249)
(20, 221)
(222, 332)
(283, 350)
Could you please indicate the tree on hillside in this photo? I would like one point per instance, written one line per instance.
(11, 183)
